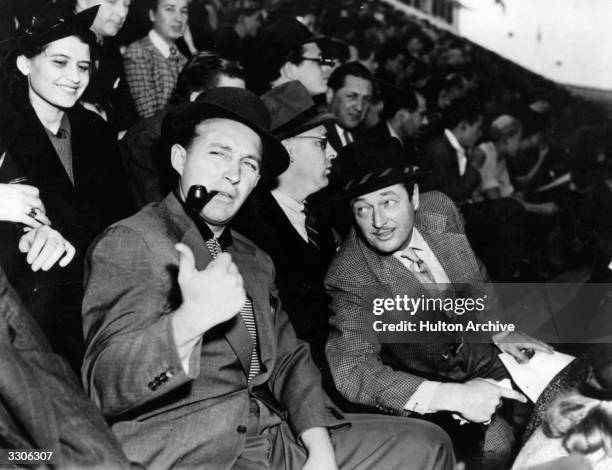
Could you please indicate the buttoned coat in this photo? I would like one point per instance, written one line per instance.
(385, 375)
(162, 416)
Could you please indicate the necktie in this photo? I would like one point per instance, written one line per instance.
(246, 312)
(348, 138)
(312, 229)
(418, 267)
(173, 51)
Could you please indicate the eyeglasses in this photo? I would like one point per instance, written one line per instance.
(321, 61)
(321, 141)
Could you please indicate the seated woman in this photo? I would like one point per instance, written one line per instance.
(68, 154)
(578, 423)
(152, 64)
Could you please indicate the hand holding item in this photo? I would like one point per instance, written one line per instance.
(210, 296)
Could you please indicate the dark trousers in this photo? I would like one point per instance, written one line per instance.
(371, 442)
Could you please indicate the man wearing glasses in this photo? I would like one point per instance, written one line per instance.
(282, 223)
(349, 95)
(286, 50)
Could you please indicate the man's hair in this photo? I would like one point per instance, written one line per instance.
(364, 49)
(202, 73)
(390, 51)
(462, 109)
(395, 99)
(504, 127)
(153, 5)
(338, 77)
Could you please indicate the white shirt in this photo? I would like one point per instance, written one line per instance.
(342, 133)
(421, 399)
(294, 211)
(160, 44)
(461, 157)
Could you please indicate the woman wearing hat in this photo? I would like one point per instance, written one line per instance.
(67, 153)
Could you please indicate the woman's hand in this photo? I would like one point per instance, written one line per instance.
(20, 203)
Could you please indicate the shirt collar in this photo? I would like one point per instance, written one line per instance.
(392, 131)
(159, 43)
(287, 201)
(417, 242)
(453, 141)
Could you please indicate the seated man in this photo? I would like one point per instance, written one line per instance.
(189, 353)
(393, 252)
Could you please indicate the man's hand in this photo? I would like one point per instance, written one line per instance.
(475, 400)
(45, 247)
(516, 343)
(477, 158)
(320, 450)
(210, 297)
(19, 203)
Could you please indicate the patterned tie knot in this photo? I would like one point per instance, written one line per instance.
(214, 248)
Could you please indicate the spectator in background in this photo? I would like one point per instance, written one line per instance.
(69, 154)
(391, 63)
(285, 51)
(152, 64)
(234, 40)
(366, 56)
(350, 93)
(403, 114)
(108, 93)
(150, 174)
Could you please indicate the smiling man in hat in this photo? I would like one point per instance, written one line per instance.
(189, 353)
(395, 251)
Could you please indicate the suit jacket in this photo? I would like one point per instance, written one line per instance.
(42, 405)
(300, 268)
(79, 212)
(381, 131)
(440, 158)
(162, 416)
(386, 375)
(151, 77)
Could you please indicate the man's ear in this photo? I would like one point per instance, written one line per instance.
(23, 65)
(415, 197)
(178, 156)
(151, 15)
(288, 70)
(329, 95)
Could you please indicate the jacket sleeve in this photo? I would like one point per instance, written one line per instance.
(131, 358)
(353, 351)
(295, 380)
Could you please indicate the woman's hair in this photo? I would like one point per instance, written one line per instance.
(584, 423)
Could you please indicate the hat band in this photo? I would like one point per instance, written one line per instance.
(297, 121)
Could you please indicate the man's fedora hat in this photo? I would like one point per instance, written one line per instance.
(368, 165)
(292, 110)
(598, 383)
(56, 23)
(232, 103)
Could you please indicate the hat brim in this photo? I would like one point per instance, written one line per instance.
(376, 180)
(306, 125)
(276, 158)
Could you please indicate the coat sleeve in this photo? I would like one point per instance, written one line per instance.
(353, 351)
(131, 358)
(295, 380)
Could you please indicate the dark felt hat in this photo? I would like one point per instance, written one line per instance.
(55, 23)
(292, 110)
(599, 381)
(368, 165)
(231, 103)
(277, 40)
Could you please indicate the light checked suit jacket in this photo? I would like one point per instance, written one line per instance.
(386, 375)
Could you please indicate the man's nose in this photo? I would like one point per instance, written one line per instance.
(232, 173)
(378, 218)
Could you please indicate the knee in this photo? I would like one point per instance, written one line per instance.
(435, 448)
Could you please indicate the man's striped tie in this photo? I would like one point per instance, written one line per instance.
(246, 312)
(312, 229)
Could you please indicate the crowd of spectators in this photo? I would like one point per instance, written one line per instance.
(525, 164)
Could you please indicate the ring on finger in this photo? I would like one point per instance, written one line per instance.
(33, 212)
